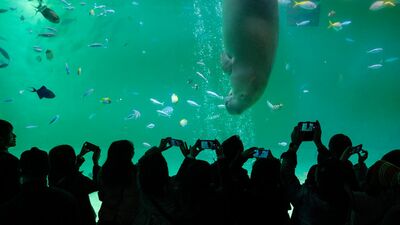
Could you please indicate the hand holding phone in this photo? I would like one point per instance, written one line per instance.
(261, 153)
(208, 144)
(175, 142)
(307, 130)
(356, 149)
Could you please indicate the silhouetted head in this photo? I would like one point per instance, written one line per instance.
(118, 167)
(310, 180)
(7, 136)
(393, 157)
(153, 173)
(34, 164)
(338, 143)
(232, 147)
(198, 176)
(62, 161)
(266, 173)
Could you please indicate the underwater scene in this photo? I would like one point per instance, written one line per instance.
(143, 70)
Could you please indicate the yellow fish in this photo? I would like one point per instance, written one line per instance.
(79, 71)
(336, 25)
(309, 5)
(105, 100)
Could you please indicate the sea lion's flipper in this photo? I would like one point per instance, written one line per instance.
(226, 63)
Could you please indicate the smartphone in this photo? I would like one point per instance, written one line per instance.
(307, 130)
(90, 146)
(356, 149)
(208, 144)
(261, 153)
(175, 142)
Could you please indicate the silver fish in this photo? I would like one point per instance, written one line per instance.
(96, 45)
(193, 103)
(47, 34)
(54, 119)
(375, 66)
(375, 50)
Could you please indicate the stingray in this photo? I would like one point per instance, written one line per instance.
(4, 58)
(43, 92)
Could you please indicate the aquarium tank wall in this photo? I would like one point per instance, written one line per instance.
(145, 70)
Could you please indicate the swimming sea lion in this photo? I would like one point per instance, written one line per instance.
(251, 37)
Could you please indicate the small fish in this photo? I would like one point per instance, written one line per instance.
(135, 3)
(96, 45)
(147, 145)
(283, 144)
(183, 122)
(332, 13)
(274, 107)
(303, 23)
(12, 8)
(305, 91)
(174, 98)
(202, 76)
(66, 3)
(37, 49)
(378, 5)
(193, 103)
(67, 70)
(109, 11)
(88, 92)
(79, 71)
(167, 111)
(336, 25)
(99, 6)
(215, 95)
(7, 100)
(156, 102)
(31, 126)
(92, 12)
(47, 34)
(21, 91)
(309, 5)
(105, 100)
(52, 29)
(392, 59)
(82, 3)
(213, 117)
(287, 66)
(375, 66)
(375, 51)
(150, 125)
(200, 63)
(70, 8)
(349, 40)
(54, 119)
(134, 115)
(43, 92)
(3, 10)
(221, 106)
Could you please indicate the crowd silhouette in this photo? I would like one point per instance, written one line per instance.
(44, 188)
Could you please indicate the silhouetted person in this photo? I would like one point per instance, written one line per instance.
(327, 202)
(64, 174)
(37, 204)
(117, 186)
(159, 205)
(199, 201)
(266, 197)
(9, 164)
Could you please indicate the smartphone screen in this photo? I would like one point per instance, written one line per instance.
(90, 146)
(307, 126)
(207, 144)
(261, 153)
(175, 142)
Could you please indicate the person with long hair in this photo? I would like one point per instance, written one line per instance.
(117, 186)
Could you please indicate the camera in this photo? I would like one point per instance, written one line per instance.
(208, 144)
(261, 153)
(175, 142)
(307, 130)
(89, 146)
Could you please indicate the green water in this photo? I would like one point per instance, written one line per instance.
(153, 50)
